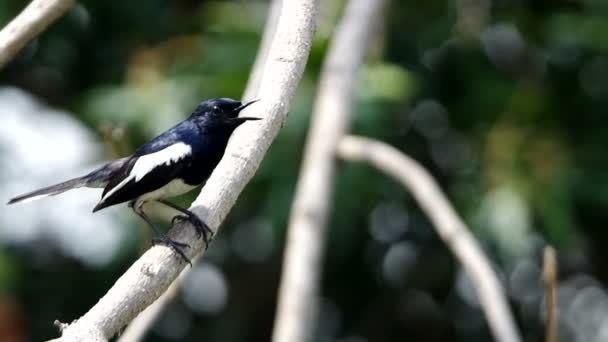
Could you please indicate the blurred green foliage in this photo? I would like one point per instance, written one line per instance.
(504, 102)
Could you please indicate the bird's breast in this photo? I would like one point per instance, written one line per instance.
(174, 188)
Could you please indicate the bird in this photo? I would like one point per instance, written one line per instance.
(173, 163)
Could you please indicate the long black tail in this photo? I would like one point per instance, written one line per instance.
(50, 190)
(96, 179)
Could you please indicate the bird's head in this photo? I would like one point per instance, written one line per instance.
(221, 112)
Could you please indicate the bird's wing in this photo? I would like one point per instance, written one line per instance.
(145, 173)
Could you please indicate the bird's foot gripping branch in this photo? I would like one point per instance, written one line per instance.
(171, 164)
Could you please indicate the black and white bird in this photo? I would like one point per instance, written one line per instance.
(171, 164)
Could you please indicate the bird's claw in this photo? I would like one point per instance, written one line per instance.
(175, 245)
(201, 228)
(178, 219)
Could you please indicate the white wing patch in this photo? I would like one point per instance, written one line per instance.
(173, 188)
(149, 162)
(166, 156)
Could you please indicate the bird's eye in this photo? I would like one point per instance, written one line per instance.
(216, 108)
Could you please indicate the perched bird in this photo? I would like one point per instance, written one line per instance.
(171, 164)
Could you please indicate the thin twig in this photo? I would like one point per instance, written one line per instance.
(550, 277)
(307, 224)
(152, 274)
(141, 324)
(449, 226)
(34, 19)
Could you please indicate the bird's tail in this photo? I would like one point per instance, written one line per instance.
(99, 178)
(50, 190)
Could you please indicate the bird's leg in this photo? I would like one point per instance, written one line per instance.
(162, 238)
(201, 227)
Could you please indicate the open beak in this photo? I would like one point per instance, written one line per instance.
(243, 106)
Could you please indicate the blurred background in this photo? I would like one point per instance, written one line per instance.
(503, 101)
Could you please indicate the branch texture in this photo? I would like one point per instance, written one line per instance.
(331, 116)
(152, 274)
(447, 223)
(35, 18)
(138, 328)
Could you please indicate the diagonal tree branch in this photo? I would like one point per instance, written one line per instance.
(447, 223)
(307, 224)
(141, 324)
(34, 19)
(152, 274)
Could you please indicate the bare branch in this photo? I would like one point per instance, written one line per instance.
(35, 18)
(141, 324)
(306, 232)
(152, 274)
(447, 223)
(550, 277)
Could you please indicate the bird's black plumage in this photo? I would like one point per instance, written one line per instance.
(170, 164)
